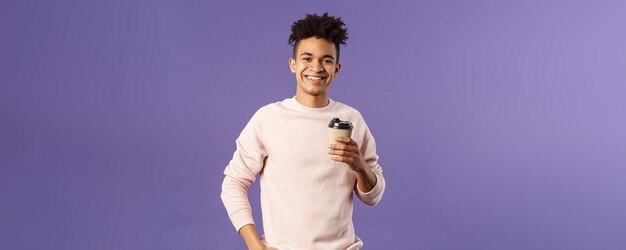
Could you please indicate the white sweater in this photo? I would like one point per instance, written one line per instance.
(306, 198)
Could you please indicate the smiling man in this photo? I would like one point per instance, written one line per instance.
(307, 184)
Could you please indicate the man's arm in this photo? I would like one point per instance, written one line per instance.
(247, 162)
(370, 184)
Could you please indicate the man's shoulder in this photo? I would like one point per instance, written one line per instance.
(342, 105)
(268, 109)
(345, 108)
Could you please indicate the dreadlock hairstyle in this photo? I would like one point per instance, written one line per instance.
(325, 27)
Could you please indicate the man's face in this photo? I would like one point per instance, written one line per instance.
(315, 65)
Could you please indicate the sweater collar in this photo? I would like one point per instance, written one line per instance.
(292, 103)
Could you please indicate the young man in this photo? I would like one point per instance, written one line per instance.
(307, 184)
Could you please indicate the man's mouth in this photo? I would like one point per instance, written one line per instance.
(315, 78)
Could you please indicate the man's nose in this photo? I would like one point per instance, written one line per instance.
(316, 67)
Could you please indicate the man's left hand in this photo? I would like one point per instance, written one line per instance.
(347, 153)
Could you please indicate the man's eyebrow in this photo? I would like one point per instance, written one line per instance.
(309, 54)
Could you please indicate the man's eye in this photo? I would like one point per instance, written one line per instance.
(328, 61)
(307, 59)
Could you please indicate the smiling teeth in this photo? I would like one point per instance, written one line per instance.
(313, 78)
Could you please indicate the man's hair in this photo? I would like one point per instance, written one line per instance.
(325, 27)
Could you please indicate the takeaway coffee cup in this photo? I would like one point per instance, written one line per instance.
(338, 128)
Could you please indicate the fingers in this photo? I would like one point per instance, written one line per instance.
(342, 153)
(350, 145)
(344, 159)
(347, 153)
(346, 140)
(343, 147)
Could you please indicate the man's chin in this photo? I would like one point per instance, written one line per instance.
(315, 92)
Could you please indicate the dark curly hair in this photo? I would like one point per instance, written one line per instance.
(325, 27)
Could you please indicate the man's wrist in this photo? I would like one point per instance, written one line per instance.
(363, 171)
(366, 179)
(251, 237)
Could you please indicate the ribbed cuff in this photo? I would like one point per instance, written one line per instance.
(241, 218)
(373, 196)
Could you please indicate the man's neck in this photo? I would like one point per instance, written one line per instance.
(319, 101)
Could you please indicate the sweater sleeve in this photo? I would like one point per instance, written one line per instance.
(368, 151)
(241, 172)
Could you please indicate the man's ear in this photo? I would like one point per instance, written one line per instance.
(292, 65)
(337, 68)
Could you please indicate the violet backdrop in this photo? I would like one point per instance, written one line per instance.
(500, 124)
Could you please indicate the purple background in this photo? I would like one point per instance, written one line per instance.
(500, 124)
